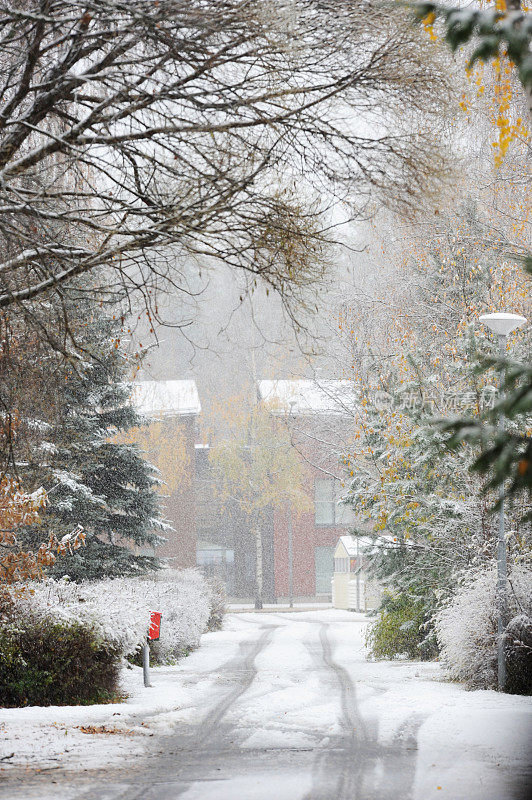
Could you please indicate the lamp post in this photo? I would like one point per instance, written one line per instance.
(502, 324)
(357, 578)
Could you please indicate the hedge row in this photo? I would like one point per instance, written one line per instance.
(46, 663)
(63, 643)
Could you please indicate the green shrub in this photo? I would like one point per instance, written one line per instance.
(518, 655)
(43, 662)
(218, 605)
(400, 630)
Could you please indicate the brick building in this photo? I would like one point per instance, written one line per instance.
(321, 418)
(216, 538)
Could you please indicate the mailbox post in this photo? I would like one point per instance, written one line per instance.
(146, 664)
(154, 633)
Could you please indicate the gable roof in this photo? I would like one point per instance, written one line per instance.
(166, 398)
(308, 396)
(350, 544)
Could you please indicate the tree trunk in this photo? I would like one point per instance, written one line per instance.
(258, 570)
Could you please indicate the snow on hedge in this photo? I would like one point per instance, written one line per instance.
(466, 627)
(118, 609)
(185, 601)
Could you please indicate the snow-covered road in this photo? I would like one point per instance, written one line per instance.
(280, 707)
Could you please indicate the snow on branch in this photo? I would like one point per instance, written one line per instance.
(135, 136)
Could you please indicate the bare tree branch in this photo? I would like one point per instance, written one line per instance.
(137, 135)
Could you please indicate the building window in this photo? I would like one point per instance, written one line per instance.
(324, 501)
(207, 556)
(327, 508)
(323, 558)
(201, 453)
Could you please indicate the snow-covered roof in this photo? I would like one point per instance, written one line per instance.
(369, 544)
(166, 398)
(350, 543)
(308, 396)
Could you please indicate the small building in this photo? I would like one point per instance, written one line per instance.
(352, 588)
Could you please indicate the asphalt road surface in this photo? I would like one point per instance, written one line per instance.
(299, 714)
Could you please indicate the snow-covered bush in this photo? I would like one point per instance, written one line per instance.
(466, 627)
(218, 604)
(118, 610)
(184, 598)
(518, 654)
(114, 609)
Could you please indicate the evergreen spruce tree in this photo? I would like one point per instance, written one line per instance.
(93, 479)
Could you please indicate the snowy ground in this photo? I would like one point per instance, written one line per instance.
(279, 706)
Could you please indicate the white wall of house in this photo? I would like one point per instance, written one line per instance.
(352, 588)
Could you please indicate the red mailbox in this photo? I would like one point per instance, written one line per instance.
(155, 625)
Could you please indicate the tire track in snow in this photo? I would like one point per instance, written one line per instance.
(211, 739)
(243, 664)
(336, 767)
(355, 765)
(351, 718)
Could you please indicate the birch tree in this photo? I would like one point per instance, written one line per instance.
(256, 467)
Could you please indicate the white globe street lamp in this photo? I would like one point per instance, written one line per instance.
(502, 324)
